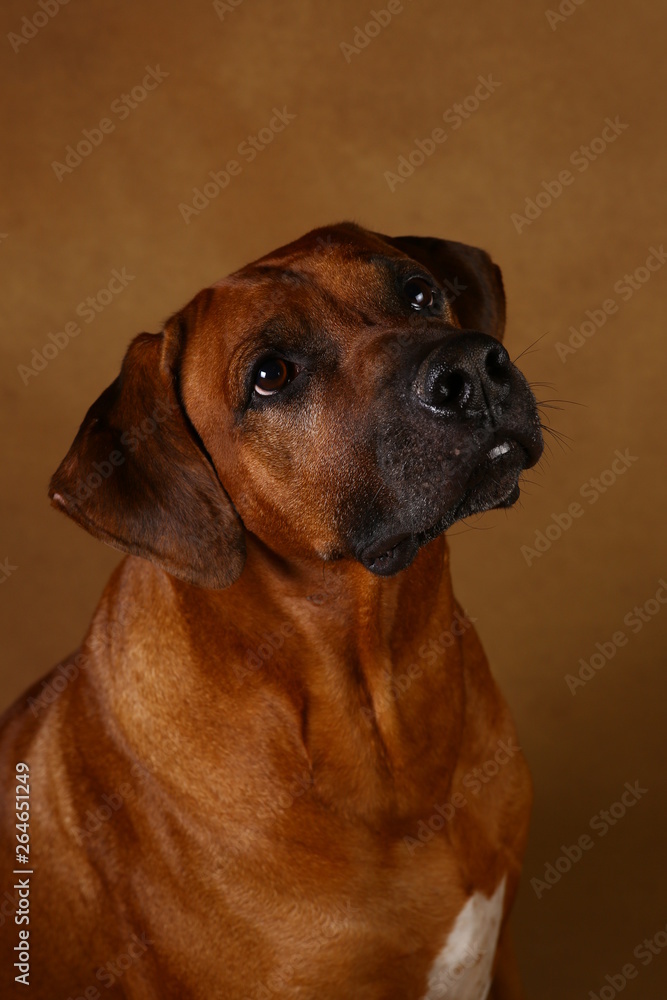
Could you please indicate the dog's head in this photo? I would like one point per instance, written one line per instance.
(345, 397)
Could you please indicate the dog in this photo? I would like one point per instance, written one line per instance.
(278, 766)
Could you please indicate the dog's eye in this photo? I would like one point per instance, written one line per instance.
(419, 292)
(273, 374)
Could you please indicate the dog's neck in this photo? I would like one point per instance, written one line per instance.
(380, 679)
(369, 669)
(348, 614)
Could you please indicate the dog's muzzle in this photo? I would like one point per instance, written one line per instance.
(483, 432)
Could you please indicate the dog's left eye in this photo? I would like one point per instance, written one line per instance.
(420, 294)
(273, 374)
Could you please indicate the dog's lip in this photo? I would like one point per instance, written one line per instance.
(525, 443)
(506, 456)
(529, 441)
(509, 453)
(388, 555)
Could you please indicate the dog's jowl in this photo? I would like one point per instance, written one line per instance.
(227, 791)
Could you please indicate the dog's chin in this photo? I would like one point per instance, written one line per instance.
(493, 483)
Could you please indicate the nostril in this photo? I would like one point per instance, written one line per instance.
(467, 375)
(497, 364)
(451, 388)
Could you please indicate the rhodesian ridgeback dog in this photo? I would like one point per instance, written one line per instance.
(278, 766)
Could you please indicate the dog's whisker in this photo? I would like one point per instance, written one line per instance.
(559, 435)
(531, 349)
(542, 385)
(568, 402)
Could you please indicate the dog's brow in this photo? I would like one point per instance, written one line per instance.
(274, 271)
(278, 334)
(386, 261)
(401, 266)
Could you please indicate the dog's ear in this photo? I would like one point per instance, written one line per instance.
(472, 282)
(137, 475)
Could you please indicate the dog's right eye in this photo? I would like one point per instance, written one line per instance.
(419, 293)
(273, 374)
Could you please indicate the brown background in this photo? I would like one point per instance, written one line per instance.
(119, 208)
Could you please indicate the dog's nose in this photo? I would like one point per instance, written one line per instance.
(468, 374)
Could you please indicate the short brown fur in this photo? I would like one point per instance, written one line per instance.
(247, 688)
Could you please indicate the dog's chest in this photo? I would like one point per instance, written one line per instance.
(463, 968)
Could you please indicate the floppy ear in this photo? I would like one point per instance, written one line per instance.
(471, 280)
(138, 477)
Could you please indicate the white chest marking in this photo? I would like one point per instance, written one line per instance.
(462, 970)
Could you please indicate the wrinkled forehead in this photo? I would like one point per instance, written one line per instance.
(332, 278)
(338, 264)
(345, 245)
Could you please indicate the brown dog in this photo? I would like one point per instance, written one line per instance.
(279, 767)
